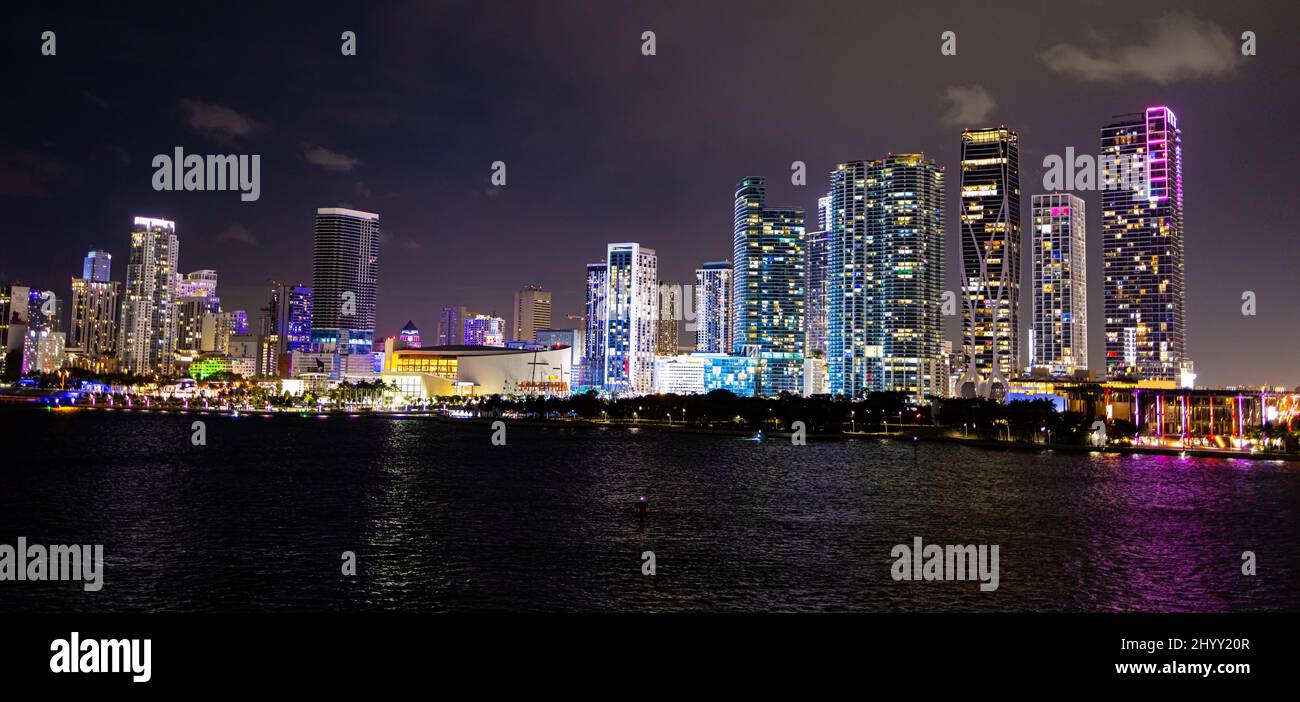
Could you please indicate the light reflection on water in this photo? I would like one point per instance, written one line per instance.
(442, 520)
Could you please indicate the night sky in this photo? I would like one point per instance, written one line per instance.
(604, 144)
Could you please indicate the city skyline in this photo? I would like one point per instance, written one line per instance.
(1224, 194)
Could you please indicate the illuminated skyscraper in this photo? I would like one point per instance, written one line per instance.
(768, 295)
(885, 271)
(532, 312)
(713, 298)
(818, 267)
(147, 332)
(1058, 339)
(631, 313)
(817, 255)
(93, 326)
(1142, 248)
(344, 276)
(990, 252)
(593, 356)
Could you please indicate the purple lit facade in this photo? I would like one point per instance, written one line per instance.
(1142, 249)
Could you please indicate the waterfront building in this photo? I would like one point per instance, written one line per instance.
(631, 313)
(1058, 338)
(701, 373)
(147, 331)
(344, 277)
(886, 270)
(713, 297)
(593, 353)
(470, 370)
(1142, 248)
(93, 326)
(990, 249)
(768, 287)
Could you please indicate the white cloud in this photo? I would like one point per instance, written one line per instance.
(219, 122)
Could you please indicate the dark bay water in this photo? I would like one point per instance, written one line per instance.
(442, 520)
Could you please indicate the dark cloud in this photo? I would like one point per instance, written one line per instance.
(329, 160)
(218, 122)
(1178, 46)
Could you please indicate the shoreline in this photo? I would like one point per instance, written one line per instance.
(927, 434)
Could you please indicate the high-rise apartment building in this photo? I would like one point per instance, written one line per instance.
(344, 276)
(631, 313)
(593, 357)
(768, 276)
(713, 297)
(1058, 339)
(92, 329)
(147, 328)
(884, 279)
(1142, 248)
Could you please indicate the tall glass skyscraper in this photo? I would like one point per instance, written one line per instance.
(1142, 248)
(344, 275)
(768, 276)
(631, 316)
(990, 251)
(147, 332)
(885, 264)
(1058, 339)
(713, 297)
